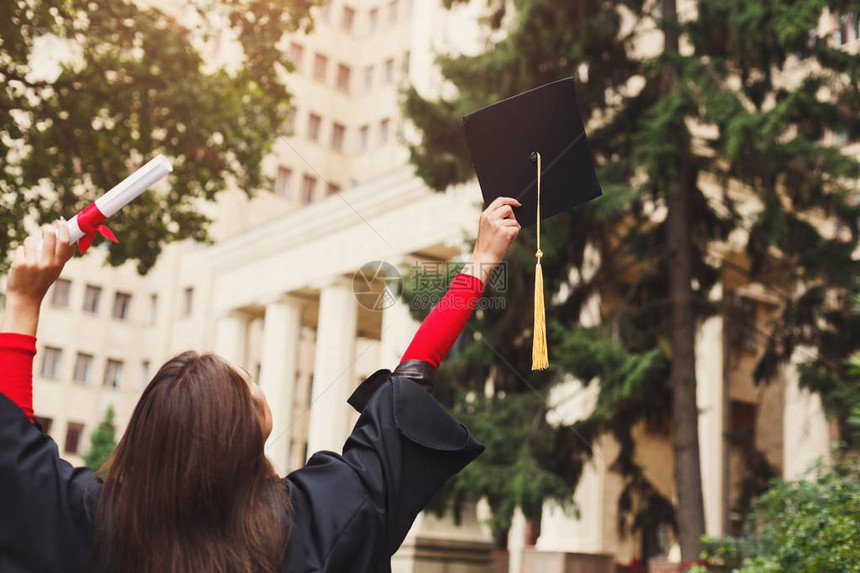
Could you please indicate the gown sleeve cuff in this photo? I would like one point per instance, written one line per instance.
(365, 391)
(419, 371)
(417, 415)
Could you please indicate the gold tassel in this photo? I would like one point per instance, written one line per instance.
(540, 360)
(540, 357)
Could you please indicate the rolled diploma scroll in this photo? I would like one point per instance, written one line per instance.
(125, 191)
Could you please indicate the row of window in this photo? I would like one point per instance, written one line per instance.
(343, 77)
(308, 191)
(74, 431)
(338, 133)
(121, 301)
(377, 16)
(84, 369)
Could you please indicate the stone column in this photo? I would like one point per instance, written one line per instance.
(398, 328)
(710, 398)
(333, 368)
(278, 374)
(806, 431)
(230, 337)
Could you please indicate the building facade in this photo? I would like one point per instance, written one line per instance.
(276, 294)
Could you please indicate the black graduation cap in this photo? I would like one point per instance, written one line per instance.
(503, 137)
(532, 147)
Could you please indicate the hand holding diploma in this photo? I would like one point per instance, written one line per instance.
(36, 264)
(84, 226)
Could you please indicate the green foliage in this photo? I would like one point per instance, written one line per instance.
(102, 442)
(134, 84)
(762, 134)
(510, 473)
(806, 526)
(842, 395)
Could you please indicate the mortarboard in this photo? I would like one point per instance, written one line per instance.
(532, 147)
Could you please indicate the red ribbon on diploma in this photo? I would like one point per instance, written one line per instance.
(90, 222)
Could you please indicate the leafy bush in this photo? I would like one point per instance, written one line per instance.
(804, 526)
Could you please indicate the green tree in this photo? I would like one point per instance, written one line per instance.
(842, 394)
(102, 442)
(746, 104)
(134, 84)
(804, 526)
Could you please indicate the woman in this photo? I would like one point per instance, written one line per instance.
(189, 488)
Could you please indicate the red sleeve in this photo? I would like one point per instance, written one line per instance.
(16, 369)
(443, 325)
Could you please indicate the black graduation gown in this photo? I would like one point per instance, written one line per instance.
(352, 511)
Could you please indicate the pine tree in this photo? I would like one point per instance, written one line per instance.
(134, 83)
(102, 442)
(740, 97)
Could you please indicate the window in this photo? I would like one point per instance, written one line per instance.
(343, 74)
(373, 20)
(364, 138)
(60, 294)
(846, 29)
(297, 52)
(283, 180)
(83, 367)
(73, 437)
(46, 423)
(368, 79)
(337, 136)
(325, 10)
(320, 67)
(121, 302)
(91, 299)
(348, 18)
(308, 186)
(51, 356)
(389, 70)
(406, 57)
(314, 123)
(153, 308)
(144, 373)
(333, 188)
(187, 301)
(742, 422)
(291, 120)
(383, 131)
(392, 11)
(113, 373)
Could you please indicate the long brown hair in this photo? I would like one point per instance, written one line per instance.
(188, 488)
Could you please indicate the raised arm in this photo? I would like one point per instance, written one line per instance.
(43, 523)
(404, 445)
(35, 267)
(496, 231)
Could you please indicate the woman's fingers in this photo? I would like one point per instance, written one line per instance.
(48, 244)
(65, 248)
(20, 256)
(502, 201)
(31, 249)
(503, 212)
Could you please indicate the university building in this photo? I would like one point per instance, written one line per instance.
(276, 294)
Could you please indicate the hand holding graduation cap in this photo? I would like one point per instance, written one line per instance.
(496, 231)
(517, 142)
